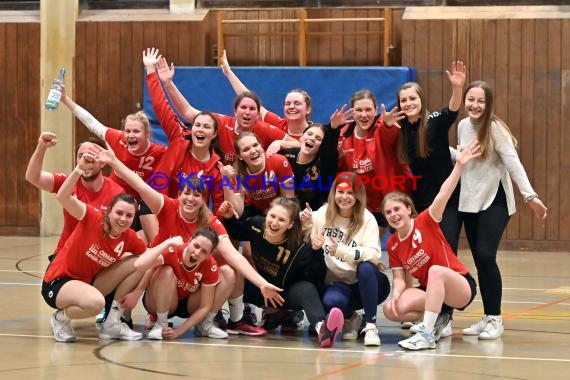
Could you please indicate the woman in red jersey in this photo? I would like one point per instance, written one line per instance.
(99, 257)
(419, 248)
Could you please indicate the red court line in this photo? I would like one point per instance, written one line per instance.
(359, 364)
(530, 310)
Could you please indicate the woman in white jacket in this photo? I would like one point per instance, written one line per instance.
(348, 234)
(486, 199)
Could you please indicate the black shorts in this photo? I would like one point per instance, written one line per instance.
(51, 289)
(472, 285)
(181, 309)
(142, 210)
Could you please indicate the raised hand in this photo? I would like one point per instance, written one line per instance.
(318, 240)
(341, 117)
(226, 210)
(105, 156)
(392, 117)
(307, 214)
(47, 139)
(470, 151)
(176, 241)
(150, 58)
(458, 74)
(227, 171)
(273, 148)
(165, 73)
(225, 65)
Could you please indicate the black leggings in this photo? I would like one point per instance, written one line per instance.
(300, 295)
(484, 230)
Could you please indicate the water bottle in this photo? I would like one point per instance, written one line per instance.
(55, 91)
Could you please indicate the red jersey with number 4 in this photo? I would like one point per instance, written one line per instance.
(263, 187)
(423, 247)
(171, 223)
(144, 165)
(88, 250)
(98, 199)
(188, 281)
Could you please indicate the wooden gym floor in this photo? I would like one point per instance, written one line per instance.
(535, 345)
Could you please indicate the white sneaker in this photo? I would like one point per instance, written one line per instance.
(447, 330)
(62, 330)
(476, 328)
(156, 332)
(351, 326)
(493, 330)
(208, 329)
(419, 341)
(371, 337)
(118, 330)
(417, 327)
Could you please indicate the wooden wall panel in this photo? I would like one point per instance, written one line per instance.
(526, 62)
(19, 125)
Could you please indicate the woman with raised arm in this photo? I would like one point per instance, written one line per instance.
(183, 216)
(296, 107)
(348, 234)
(100, 257)
(487, 200)
(133, 147)
(245, 119)
(418, 248)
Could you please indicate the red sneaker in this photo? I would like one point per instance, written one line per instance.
(331, 328)
(243, 327)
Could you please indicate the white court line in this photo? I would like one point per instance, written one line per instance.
(395, 354)
(20, 283)
(21, 271)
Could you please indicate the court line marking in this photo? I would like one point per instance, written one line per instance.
(532, 309)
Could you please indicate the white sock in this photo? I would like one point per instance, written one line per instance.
(209, 318)
(61, 316)
(429, 320)
(236, 308)
(162, 317)
(115, 313)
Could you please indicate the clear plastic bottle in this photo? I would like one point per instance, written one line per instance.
(55, 91)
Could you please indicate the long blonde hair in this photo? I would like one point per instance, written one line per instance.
(484, 127)
(357, 218)
(422, 148)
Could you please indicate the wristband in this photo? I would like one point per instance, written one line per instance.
(79, 171)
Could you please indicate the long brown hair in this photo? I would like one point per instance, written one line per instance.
(202, 188)
(128, 198)
(239, 164)
(357, 219)
(484, 126)
(422, 148)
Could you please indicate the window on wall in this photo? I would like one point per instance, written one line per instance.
(19, 5)
(124, 4)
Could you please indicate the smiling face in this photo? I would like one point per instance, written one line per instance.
(277, 222)
(251, 152)
(398, 216)
(137, 136)
(203, 131)
(191, 201)
(295, 106)
(364, 113)
(311, 141)
(475, 104)
(345, 199)
(121, 217)
(246, 113)
(411, 103)
(197, 250)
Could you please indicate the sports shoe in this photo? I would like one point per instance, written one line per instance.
(118, 330)
(149, 322)
(273, 318)
(351, 327)
(440, 323)
(407, 325)
(493, 330)
(156, 332)
(447, 330)
(220, 320)
(420, 341)
(245, 327)
(293, 321)
(476, 328)
(371, 337)
(62, 330)
(331, 328)
(210, 330)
